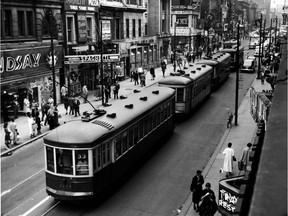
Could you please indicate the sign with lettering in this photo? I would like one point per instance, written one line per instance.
(181, 31)
(82, 5)
(106, 30)
(78, 59)
(19, 62)
(182, 20)
(227, 200)
(82, 27)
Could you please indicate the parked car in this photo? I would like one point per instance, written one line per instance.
(252, 44)
(248, 66)
(256, 53)
(254, 59)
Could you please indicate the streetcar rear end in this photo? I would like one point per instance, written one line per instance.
(191, 88)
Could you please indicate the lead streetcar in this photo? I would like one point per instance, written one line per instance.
(83, 158)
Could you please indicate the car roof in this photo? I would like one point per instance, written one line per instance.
(248, 60)
(252, 57)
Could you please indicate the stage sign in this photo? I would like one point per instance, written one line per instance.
(78, 59)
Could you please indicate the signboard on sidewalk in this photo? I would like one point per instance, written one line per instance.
(78, 59)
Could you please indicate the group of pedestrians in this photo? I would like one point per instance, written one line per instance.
(140, 74)
(204, 200)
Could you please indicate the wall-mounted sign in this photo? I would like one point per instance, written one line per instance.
(82, 30)
(81, 5)
(181, 31)
(106, 30)
(182, 20)
(78, 59)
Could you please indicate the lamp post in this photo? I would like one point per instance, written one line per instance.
(276, 29)
(52, 26)
(237, 75)
(259, 58)
(101, 70)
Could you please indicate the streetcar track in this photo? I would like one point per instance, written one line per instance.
(50, 209)
(20, 183)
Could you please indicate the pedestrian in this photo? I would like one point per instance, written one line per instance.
(163, 67)
(71, 105)
(245, 156)
(56, 115)
(77, 107)
(14, 130)
(66, 103)
(132, 76)
(106, 93)
(63, 92)
(26, 105)
(193, 57)
(38, 122)
(15, 106)
(200, 51)
(34, 108)
(136, 77)
(51, 100)
(196, 189)
(208, 206)
(50, 117)
(142, 79)
(116, 90)
(31, 125)
(229, 157)
(152, 72)
(262, 77)
(45, 112)
(8, 136)
(230, 119)
(85, 93)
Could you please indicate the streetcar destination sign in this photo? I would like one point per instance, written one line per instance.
(78, 59)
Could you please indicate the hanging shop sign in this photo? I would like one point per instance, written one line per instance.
(106, 30)
(182, 20)
(78, 59)
(81, 5)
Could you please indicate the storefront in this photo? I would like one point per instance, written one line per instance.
(27, 73)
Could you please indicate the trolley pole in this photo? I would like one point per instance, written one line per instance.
(237, 75)
(259, 58)
(270, 35)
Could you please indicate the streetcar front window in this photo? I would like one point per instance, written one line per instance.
(82, 162)
(50, 159)
(64, 161)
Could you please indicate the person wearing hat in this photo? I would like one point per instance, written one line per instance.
(208, 206)
(196, 189)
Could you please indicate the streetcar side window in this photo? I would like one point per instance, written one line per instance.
(64, 161)
(97, 158)
(50, 159)
(118, 148)
(130, 140)
(81, 157)
(106, 153)
(135, 134)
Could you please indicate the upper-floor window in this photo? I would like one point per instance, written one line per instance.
(25, 22)
(134, 28)
(89, 26)
(7, 28)
(70, 29)
(127, 28)
(117, 28)
(139, 27)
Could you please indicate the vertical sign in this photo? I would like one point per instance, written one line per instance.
(82, 27)
(106, 30)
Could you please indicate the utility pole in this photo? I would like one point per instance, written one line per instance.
(270, 34)
(264, 36)
(175, 46)
(101, 70)
(259, 58)
(276, 29)
(237, 75)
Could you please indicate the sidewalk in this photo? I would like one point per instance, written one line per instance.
(239, 136)
(126, 87)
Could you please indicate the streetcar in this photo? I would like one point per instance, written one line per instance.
(85, 158)
(191, 88)
(233, 52)
(220, 62)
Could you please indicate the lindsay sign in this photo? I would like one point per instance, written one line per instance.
(19, 62)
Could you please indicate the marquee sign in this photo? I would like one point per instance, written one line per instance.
(78, 59)
(82, 5)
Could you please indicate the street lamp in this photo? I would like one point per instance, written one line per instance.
(174, 46)
(52, 26)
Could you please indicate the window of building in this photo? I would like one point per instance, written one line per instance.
(7, 28)
(21, 23)
(89, 26)
(29, 16)
(127, 28)
(117, 28)
(134, 2)
(133, 28)
(139, 28)
(70, 29)
(146, 29)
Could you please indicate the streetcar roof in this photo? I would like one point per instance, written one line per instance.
(215, 59)
(232, 49)
(191, 74)
(85, 133)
